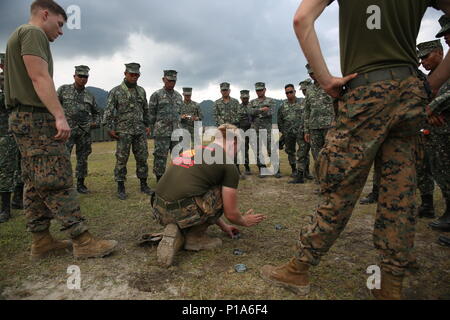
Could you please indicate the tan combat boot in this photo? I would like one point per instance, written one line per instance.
(44, 244)
(391, 287)
(170, 244)
(197, 239)
(86, 246)
(292, 276)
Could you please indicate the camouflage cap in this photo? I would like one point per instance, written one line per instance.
(187, 91)
(2, 58)
(245, 94)
(427, 47)
(82, 70)
(224, 86)
(260, 86)
(170, 75)
(444, 21)
(305, 83)
(133, 67)
(308, 67)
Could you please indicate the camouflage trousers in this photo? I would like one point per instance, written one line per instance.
(47, 174)
(299, 157)
(317, 141)
(194, 211)
(83, 143)
(136, 143)
(378, 120)
(263, 143)
(163, 146)
(18, 174)
(425, 181)
(8, 163)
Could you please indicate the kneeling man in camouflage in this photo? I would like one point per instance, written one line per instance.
(195, 192)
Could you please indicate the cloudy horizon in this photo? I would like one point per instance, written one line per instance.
(207, 42)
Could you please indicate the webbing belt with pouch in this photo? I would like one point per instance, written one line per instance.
(396, 73)
(26, 108)
(174, 205)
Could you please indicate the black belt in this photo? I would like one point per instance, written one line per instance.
(173, 205)
(33, 109)
(397, 73)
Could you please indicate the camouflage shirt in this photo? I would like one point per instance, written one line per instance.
(245, 118)
(127, 110)
(79, 107)
(191, 109)
(319, 110)
(165, 108)
(290, 117)
(4, 115)
(226, 112)
(263, 119)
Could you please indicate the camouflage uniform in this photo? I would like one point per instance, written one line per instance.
(81, 111)
(245, 123)
(226, 112)
(127, 113)
(190, 109)
(8, 151)
(263, 120)
(165, 115)
(319, 117)
(290, 124)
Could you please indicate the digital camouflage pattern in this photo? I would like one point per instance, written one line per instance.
(226, 112)
(203, 209)
(127, 110)
(47, 173)
(8, 151)
(318, 139)
(138, 144)
(81, 111)
(245, 123)
(382, 119)
(165, 113)
(191, 109)
(290, 124)
(263, 120)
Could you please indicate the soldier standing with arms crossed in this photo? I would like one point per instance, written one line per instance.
(82, 115)
(41, 130)
(380, 112)
(127, 117)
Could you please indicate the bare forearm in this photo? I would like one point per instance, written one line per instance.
(235, 217)
(441, 74)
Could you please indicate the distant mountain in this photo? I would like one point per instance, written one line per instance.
(207, 110)
(100, 96)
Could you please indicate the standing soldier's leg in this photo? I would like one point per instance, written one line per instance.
(84, 149)
(308, 160)
(120, 171)
(425, 182)
(372, 197)
(140, 151)
(17, 200)
(8, 162)
(162, 148)
(289, 147)
(247, 158)
(302, 159)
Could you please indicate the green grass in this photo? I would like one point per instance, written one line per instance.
(133, 273)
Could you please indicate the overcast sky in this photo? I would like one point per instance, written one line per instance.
(206, 41)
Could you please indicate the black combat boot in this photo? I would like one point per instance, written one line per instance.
(298, 179)
(5, 214)
(444, 241)
(121, 190)
(307, 174)
(371, 198)
(145, 188)
(247, 172)
(81, 188)
(17, 200)
(426, 209)
(294, 170)
(261, 176)
(443, 223)
(278, 174)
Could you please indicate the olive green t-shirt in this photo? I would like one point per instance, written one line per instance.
(378, 34)
(25, 40)
(184, 178)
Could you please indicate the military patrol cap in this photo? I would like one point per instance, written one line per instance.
(2, 58)
(170, 75)
(427, 47)
(245, 94)
(187, 91)
(444, 21)
(82, 70)
(224, 86)
(308, 67)
(132, 67)
(305, 83)
(260, 86)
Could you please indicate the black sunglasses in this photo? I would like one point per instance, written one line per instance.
(289, 92)
(83, 77)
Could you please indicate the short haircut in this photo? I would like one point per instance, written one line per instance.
(49, 5)
(289, 86)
